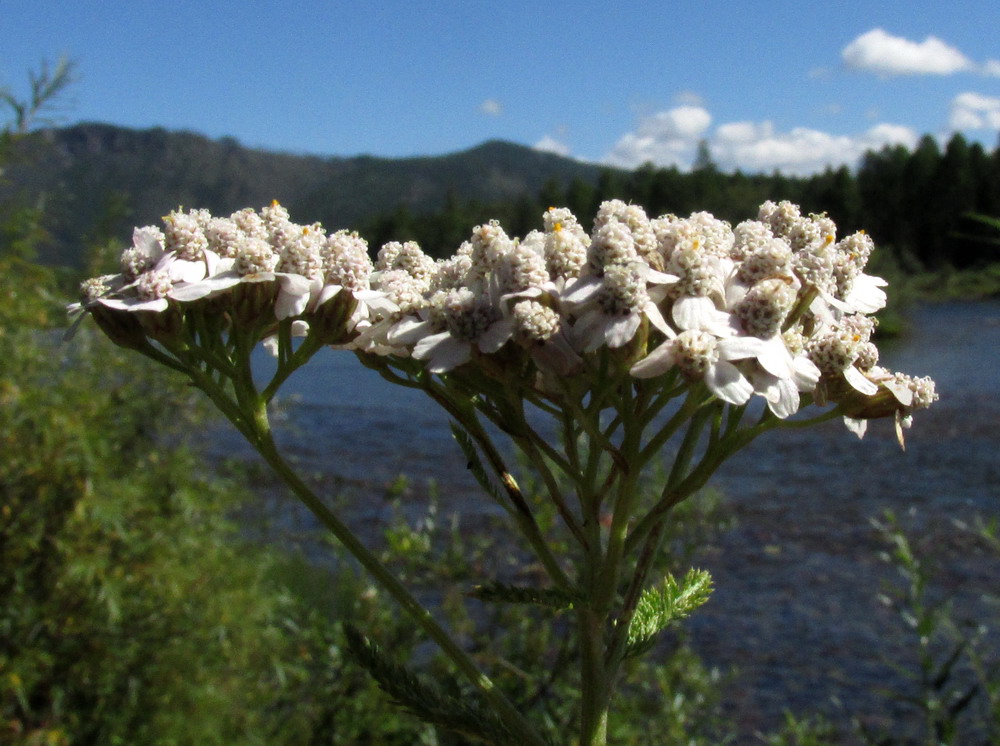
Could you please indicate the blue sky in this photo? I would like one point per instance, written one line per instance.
(789, 85)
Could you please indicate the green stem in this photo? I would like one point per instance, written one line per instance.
(505, 709)
(595, 694)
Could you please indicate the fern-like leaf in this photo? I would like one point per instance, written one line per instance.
(475, 465)
(424, 699)
(496, 592)
(658, 607)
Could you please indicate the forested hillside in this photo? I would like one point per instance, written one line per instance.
(100, 179)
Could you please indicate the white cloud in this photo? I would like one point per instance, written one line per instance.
(991, 68)
(973, 111)
(682, 122)
(750, 146)
(665, 138)
(879, 52)
(491, 107)
(551, 145)
(800, 151)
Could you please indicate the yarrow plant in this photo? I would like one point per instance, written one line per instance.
(596, 355)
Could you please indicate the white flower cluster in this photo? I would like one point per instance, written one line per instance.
(776, 306)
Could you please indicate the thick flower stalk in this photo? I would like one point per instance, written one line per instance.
(595, 354)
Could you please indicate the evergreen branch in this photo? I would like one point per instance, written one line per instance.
(497, 592)
(423, 699)
(658, 607)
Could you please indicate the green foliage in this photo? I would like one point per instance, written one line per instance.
(954, 675)
(807, 731)
(658, 607)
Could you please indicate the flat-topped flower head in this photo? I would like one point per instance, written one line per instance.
(153, 285)
(856, 248)
(96, 287)
(700, 356)
(404, 290)
(613, 308)
(717, 235)
(699, 272)
(635, 219)
(810, 233)
(775, 306)
(274, 215)
(468, 316)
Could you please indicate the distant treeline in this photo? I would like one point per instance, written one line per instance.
(915, 203)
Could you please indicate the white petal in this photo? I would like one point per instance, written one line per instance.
(727, 382)
(409, 330)
(147, 241)
(902, 392)
(857, 379)
(271, 344)
(589, 330)
(693, 313)
(866, 294)
(741, 348)
(782, 398)
(291, 301)
(655, 277)
(496, 336)
(805, 374)
(426, 346)
(208, 286)
(776, 359)
(183, 270)
(858, 427)
(582, 289)
(326, 293)
(656, 363)
(449, 354)
(621, 329)
(657, 320)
